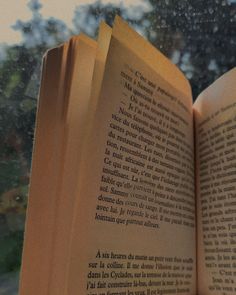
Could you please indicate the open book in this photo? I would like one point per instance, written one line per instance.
(133, 188)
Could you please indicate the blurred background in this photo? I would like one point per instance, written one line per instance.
(197, 35)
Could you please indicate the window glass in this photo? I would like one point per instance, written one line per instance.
(198, 36)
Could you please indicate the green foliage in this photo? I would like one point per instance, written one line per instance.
(200, 32)
(19, 82)
(88, 17)
(16, 118)
(39, 33)
(10, 171)
(10, 254)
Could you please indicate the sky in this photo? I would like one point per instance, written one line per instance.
(12, 10)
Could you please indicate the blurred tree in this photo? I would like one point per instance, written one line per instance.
(88, 17)
(15, 144)
(18, 91)
(198, 35)
(39, 33)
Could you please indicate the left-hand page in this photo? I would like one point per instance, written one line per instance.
(127, 235)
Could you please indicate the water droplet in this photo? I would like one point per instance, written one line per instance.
(210, 10)
(215, 29)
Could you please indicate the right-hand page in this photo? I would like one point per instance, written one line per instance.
(215, 123)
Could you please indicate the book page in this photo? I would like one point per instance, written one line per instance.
(45, 172)
(80, 65)
(60, 130)
(104, 37)
(103, 42)
(215, 114)
(134, 228)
